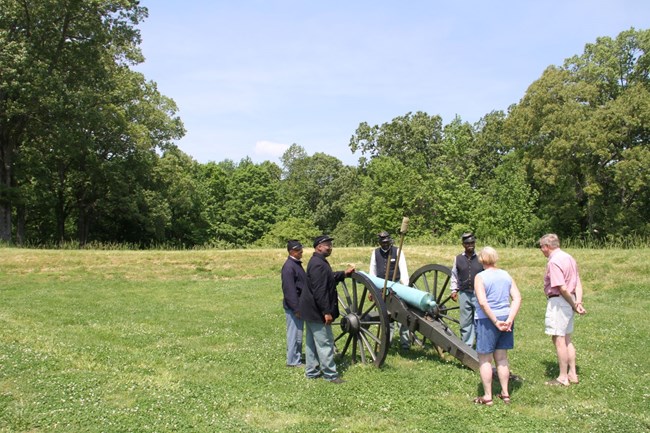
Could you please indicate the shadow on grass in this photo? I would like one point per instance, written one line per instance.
(428, 353)
(514, 383)
(413, 354)
(552, 370)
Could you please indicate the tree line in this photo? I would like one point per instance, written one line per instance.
(87, 153)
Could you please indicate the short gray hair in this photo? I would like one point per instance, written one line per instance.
(550, 239)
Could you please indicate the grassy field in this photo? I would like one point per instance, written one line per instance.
(126, 341)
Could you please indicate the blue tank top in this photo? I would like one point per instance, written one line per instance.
(497, 284)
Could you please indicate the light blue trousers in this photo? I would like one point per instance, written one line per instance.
(466, 302)
(404, 335)
(294, 337)
(319, 351)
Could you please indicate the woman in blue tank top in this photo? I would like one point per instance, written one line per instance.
(494, 322)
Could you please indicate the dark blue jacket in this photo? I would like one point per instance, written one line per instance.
(320, 298)
(294, 282)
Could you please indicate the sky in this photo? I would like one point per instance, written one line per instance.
(252, 77)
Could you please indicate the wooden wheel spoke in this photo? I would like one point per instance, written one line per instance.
(347, 344)
(447, 280)
(442, 290)
(367, 334)
(372, 307)
(355, 300)
(451, 319)
(435, 285)
(350, 307)
(365, 346)
(362, 352)
(338, 337)
(425, 280)
(362, 299)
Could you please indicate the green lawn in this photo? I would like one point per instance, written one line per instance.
(123, 341)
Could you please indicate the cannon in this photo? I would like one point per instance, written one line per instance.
(362, 331)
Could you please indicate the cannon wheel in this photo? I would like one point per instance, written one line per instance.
(436, 279)
(362, 331)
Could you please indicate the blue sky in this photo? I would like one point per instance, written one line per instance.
(252, 77)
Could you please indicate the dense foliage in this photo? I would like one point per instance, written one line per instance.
(87, 152)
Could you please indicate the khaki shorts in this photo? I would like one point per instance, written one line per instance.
(559, 317)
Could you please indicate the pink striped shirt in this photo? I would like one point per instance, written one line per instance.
(561, 270)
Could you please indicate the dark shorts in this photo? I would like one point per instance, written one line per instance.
(489, 338)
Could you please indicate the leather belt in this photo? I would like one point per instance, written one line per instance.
(552, 296)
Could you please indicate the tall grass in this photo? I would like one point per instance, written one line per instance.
(632, 241)
(193, 341)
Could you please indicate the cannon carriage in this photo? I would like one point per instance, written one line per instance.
(369, 304)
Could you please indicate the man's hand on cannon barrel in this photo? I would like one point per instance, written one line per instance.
(349, 270)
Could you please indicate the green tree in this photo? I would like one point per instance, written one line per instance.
(342, 188)
(505, 212)
(251, 204)
(449, 164)
(575, 129)
(490, 145)
(315, 187)
(73, 117)
(216, 179)
(54, 54)
(290, 228)
(388, 191)
(294, 154)
(413, 139)
(93, 161)
(181, 187)
(459, 153)
(632, 176)
(452, 202)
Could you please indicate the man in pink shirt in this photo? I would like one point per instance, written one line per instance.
(563, 290)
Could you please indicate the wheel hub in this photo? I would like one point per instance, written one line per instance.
(351, 323)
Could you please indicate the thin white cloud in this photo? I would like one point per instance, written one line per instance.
(269, 148)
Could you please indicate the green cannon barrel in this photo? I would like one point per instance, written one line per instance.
(419, 299)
